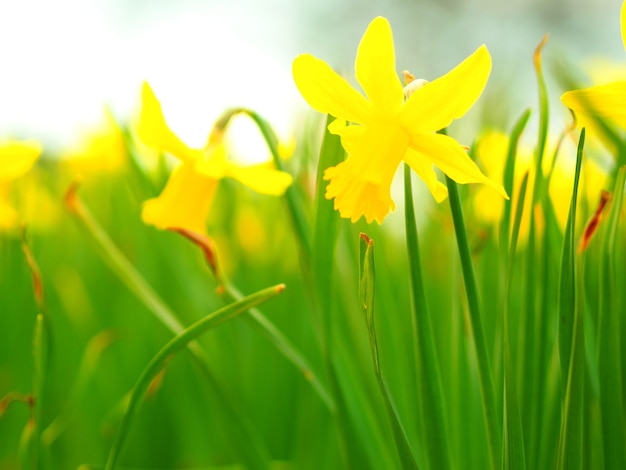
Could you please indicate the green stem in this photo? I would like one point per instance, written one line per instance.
(174, 345)
(282, 343)
(256, 453)
(426, 360)
(471, 289)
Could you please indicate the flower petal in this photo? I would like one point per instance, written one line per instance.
(349, 135)
(153, 131)
(424, 169)
(448, 155)
(184, 202)
(327, 92)
(605, 101)
(361, 185)
(17, 157)
(435, 105)
(262, 178)
(375, 69)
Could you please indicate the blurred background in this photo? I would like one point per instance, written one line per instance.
(63, 60)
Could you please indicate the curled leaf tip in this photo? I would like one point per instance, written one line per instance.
(71, 195)
(538, 50)
(34, 269)
(366, 239)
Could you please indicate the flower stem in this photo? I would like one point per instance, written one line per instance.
(256, 454)
(471, 289)
(426, 360)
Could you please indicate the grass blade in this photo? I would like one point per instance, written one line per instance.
(609, 347)
(571, 339)
(485, 375)
(567, 279)
(513, 444)
(41, 344)
(255, 452)
(177, 343)
(366, 297)
(431, 395)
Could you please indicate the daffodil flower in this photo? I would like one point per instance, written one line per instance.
(386, 129)
(605, 101)
(188, 195)
(98, 150)
(16, 158)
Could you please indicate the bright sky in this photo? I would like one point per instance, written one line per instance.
(62, 60)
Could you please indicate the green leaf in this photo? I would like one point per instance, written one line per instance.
(571, 339)
(177, 343)
(487, 391)
(255, 451)
(609, 341)
(567, 275)
(367, 280)
(513, 445)
(431, 399)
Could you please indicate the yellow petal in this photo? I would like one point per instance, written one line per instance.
(375, 68)
(350, 135)
(491, 150)
(361, 185)
(435, 105)
(17, 157)
(214, 162)
(154, 132)
(605, 101)
(424, 169)
(262, 178)
(184, 202)
(8, 216)
(327, 92)
(448, 155)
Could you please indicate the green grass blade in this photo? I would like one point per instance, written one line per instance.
(430, 392)
(609, 341)
(284, 345)
(41, 345)
(326, 229)
(513, 444)
(293, 198)
(509, 173)
(367, 275)
(571, 339)
(177, 343)
(89, 362)
(255, 450)
(471, 289)
(567, 279)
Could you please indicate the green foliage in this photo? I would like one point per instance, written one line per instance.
(464, 344)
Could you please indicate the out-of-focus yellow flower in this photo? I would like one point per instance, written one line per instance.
(491, 151)
(389, 128)
(187, 197)
(98, 150)
(606, 101)
(16, 158)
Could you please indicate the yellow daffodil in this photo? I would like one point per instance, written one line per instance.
(606, 101)
(98, 150)
(386, 129)
(16, 158)
(187, 197)
(491, 150)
